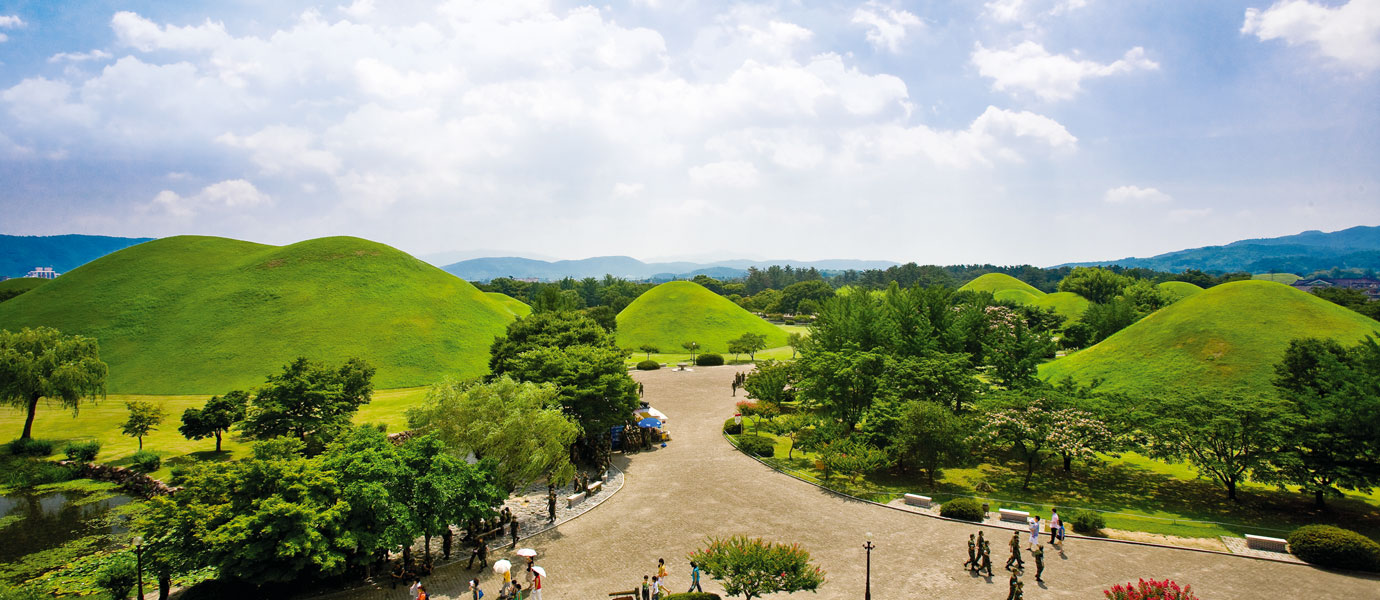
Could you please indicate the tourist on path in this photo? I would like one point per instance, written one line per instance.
(1035, 531)
(646, 588)
(694, 579)
(536, 581)
(986, 558)
(972, 554)
(513, 525)
(475, 592)
(551, 506)
(1015, 551)
(1054, 525)
(656, 587)
(446, 535)
(1039, 555)
(661, 571)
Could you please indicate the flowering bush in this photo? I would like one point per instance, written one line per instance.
(1151, 590)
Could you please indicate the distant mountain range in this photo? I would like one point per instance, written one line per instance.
(19, 254)
(1303, 253)
(484, 269)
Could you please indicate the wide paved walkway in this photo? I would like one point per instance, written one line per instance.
(700, 486)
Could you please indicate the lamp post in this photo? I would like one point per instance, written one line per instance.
(139, 563)
(867, 595)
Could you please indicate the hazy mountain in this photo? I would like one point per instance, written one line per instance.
(1354, 248)
(484, 269)
(19, 254)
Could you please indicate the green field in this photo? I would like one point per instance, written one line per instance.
(679, 311)
(1228, 337)
(518, 308)
(204, 315)
(1179, 289)
(997, 282)
(19, 285)
(1284, 278)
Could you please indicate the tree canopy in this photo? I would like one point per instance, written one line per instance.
(44, 363)
(215, 418)
(753, 567)
(310, 401)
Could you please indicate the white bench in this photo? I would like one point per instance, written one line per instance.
(1260, 542)
(594, 488)
(918, 500)
(572, 500)
(1015, 516)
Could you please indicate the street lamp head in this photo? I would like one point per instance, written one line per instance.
(869, 536)
(138, 541)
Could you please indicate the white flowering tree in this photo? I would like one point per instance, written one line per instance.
(1034, 422)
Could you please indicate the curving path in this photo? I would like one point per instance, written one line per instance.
(700, 486)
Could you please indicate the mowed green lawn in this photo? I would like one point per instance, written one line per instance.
(101, 421)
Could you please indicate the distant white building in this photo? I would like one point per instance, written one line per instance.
(43, 273)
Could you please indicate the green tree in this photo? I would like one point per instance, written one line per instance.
(813, 291)
(842, 384)
(43, 363)
(143, 417)
(795, 341)
(118, 576)
(931, 437)
(443, 489)
(853, 458)
(1224, 436)
(752, 567)
(711, 284)
(771, 384)
(947, 379)
(693, 348)
(1035, 420)
(519, 425)
(215, 418)
(749, 344)
(310, 401)
(1096, 284)
(1012, 348)
(794, 427)
(649, 349)
(375, 483)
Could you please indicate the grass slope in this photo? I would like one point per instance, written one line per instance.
(1284, 278)
(681, 311)
(1016, 295)
(1226, 337)
(517, 307)
(190, 314)
(1068, 304)
(11, 288)
(1179, 289)
(996, 282)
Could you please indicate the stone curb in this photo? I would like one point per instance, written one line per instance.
(1070, 536)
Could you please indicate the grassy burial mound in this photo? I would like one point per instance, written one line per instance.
(1179, 289)
(1226, 337)
(998, 282)
(190, 314)
(680, 311)
(11, 288)
(517, 307)
(1284, 278)
(1016, 295)
(1068, 304)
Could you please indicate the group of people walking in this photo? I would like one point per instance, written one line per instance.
(654, 586)
(980, 554)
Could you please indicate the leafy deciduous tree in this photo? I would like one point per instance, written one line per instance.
(752, 567)
(309, 401)
(1225, 436)
(215, 418)
(43, 363)
(931, 437)
(143, 418)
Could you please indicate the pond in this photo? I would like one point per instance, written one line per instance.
(37, 520)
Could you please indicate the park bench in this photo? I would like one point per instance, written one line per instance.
(1015, 516)
(573, 499)
(594, 488)
(1260, 542)
(628, 595)
(918, 500)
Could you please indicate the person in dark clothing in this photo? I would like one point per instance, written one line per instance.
(481, 551)
(551, 507)
(986, 558)
(646, 588)
(446, 539)
(694, 579)
(1015, 552)
(972, 554)
(513, 526)
(1039, 555)
(1011, 589)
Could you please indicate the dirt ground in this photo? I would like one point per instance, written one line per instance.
(699, 486)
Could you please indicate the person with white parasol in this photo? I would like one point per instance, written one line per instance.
(504, 568)
(535, 574)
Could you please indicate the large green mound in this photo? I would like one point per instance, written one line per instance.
(1226, 337)
(997, 282)
(1068, 304)
(1016, 295)
(1179, 289)
(206, 315)
(11, 288)
(517, 307)
(1284, 278)
(680, 311)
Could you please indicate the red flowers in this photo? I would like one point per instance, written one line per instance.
(1151, 590)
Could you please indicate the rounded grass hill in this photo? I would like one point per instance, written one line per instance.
(11, 288)
(1228, 337)
(1068, 304)
(1284, 278)
(998, 282)
(205, 315)
(517, 307)
(1007, 288)
(676, 312)
(1179, 289)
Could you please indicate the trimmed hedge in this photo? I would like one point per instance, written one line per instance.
(691, 596)
(31, 447)
(83, 451)
(966, 509)
(709, 360)
(757, 445)
(145, 461)
(1087, 522)
(732, 428)
(1328, 546)
(648, 365)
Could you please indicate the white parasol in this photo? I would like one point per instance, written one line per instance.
(502, 566)
(526, 552)
(540, 571)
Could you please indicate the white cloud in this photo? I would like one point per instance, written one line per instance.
(280, 148)
(228, 194)
(627, 190)
(1348, 34)
(1010, 11)
(80, 56)
(360, 9)
(1028, 67)
(145, 35)
(1130, 194)
(733, 174)
(1180, 215)
(11, 22)
(996, 134)
(887, 26)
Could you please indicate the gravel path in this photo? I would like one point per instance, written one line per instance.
(698, 486)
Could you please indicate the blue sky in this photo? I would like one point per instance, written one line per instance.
(1009, 131)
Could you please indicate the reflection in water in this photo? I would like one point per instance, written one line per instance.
(50, 520)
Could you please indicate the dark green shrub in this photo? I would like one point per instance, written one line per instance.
(145, 461)
(83, 451)
(756, 445)
(709, 360)
(732, 428)
(692, 596)
(648, 365)
(1087, 522)
(966, 509)
(117, 576)
(28, 592)
(31, 447)
(1328, 546)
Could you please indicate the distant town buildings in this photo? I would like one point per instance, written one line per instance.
(1370, 287)
(43, 273)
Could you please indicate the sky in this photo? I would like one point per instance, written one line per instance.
(1007, 131)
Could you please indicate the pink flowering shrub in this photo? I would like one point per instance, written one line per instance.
(1150, 590)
